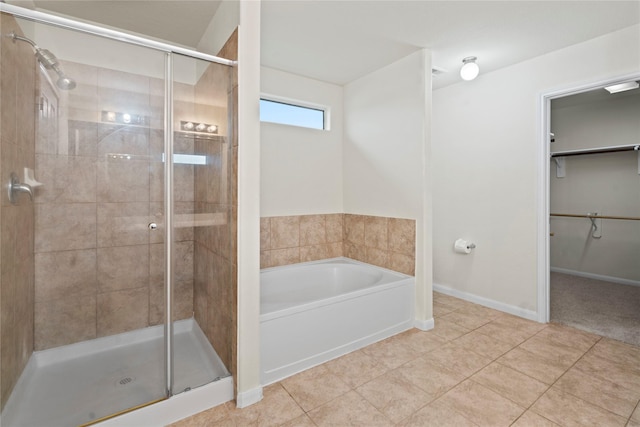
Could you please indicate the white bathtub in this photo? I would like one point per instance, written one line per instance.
(316, 311)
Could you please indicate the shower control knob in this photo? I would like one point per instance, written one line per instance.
(153, 226)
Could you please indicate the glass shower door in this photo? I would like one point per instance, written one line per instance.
(89, 309)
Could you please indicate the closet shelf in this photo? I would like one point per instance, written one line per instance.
(611, 149)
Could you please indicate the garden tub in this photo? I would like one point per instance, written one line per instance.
(315, 311)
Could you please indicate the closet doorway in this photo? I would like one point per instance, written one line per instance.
(594, 213)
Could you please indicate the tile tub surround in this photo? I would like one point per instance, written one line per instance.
(475, 377)
(384, 242)
(17, 133)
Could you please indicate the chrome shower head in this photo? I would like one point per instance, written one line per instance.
(48, 61)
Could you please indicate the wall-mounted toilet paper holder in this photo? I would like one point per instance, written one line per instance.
(461, 246)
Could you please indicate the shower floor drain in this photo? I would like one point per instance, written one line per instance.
(126, 380)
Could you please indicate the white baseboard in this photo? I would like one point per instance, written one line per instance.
(596, 276)
(424, 325)
(497, 305)
(249, 397)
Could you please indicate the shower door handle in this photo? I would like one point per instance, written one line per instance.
(152, 226)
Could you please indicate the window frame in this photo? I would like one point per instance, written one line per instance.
(326, 111)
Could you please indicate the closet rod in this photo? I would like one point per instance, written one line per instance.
(612, 149)
(630, 218)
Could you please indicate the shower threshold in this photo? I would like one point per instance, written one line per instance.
(80, 383)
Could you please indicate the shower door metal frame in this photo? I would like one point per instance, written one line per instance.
(169, 50)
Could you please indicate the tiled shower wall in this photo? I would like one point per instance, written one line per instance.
(381, 241)
(99, 270)
(17, 133)
(215, 275)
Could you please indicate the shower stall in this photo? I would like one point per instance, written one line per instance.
(117, 221)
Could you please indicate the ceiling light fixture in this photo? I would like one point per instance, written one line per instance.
(621, 87)
(470, 69)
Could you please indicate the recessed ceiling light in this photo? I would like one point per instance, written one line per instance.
(622, 87)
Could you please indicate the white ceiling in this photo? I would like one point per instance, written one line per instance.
(339, 41)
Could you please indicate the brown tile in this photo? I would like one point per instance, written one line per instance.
(376, 232)
(440, 310)
(467, 320)
(122, 224)
(356, 368)
(599, 391)
(312, 230)
(354, 229)
(64, 321)
(314, 252)
(533, 365)
(285, 232)
(481, 405)
(449, 301)
(349, 409)
(511, 384)
(434, 379)
(402, 236)
(334, 227)
(75, 226)
(560, 354)
(616, 372)
(568, 410)
(301, 421)
(276, 407)
(458, 358)
(314, 387)
(122, 311)
(506, 331)
(449, 330)
(405, 264)
(483, 344)
(284, 256)
(64, 274)
(122, 180)
(265, 234)
(420, 341)
(636, 414)
(394, 396)
(353, 251)
(617, 351)
(375, 256)
(531, 419)
(569, 337)
(391, 353)
(124, 267)
(633, 423)
(437, 414)
(66, 179)
(265, 259)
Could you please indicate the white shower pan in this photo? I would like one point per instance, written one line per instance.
(59, 386)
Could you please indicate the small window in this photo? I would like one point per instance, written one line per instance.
(291, 114)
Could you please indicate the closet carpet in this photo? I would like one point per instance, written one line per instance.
(604, 308)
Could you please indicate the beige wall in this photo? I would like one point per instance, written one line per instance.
(17, 133)
(608, 184)
(381, 241)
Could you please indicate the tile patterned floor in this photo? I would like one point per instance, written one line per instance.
(477, 367)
